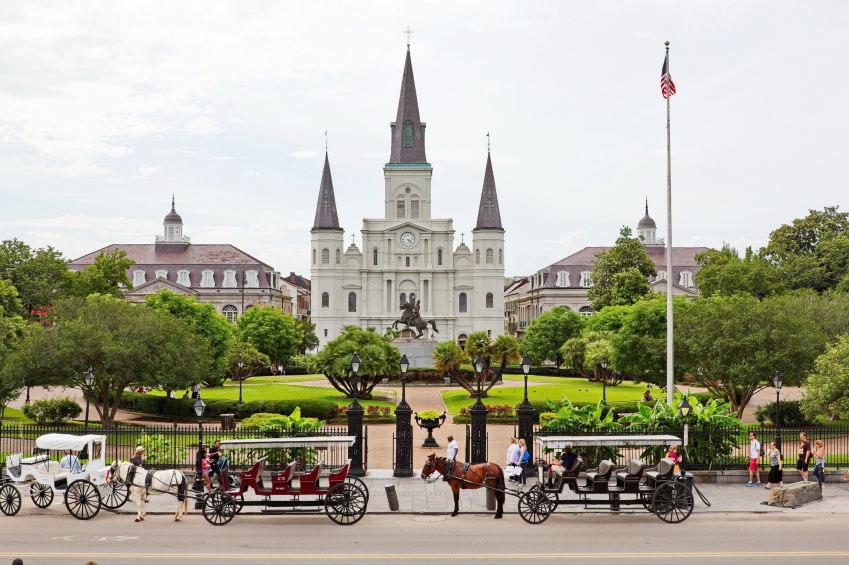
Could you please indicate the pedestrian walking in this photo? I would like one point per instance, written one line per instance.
(453, 448)
(776, 467)
(819, 458)
(512, 457)
(754, 455)
(195, 390)
(524, 458)
(804, 456)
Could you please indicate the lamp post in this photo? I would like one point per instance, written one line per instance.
(27, 387)
(603, 364)
(525, 411)
(241, 363)
(479, 413)
(199, 407)
(777, 381)
(684, 407)
(403, 428)
(89, 380)
(354, 414)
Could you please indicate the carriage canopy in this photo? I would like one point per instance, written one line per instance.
(67, 441)
(315, 442)
(559, 442)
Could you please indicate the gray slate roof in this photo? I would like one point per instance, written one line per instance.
(489, 215)
(408, 111)
(325, 211)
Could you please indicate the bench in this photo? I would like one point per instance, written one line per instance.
(308, 482)
(253, 476)
(280, 481)
(339, 475)
(598, 478)
(660, 474)
(629, 478)
(35, 459)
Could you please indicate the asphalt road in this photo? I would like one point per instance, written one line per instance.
(600, 538)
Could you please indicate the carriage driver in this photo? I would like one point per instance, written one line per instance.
(138, 457)
(70, 461)
(567, 459)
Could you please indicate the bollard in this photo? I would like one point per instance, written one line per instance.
(490, 499)
(392, 496)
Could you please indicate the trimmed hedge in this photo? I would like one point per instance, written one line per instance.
(182, 407)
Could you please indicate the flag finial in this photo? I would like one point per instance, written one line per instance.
(667, 44)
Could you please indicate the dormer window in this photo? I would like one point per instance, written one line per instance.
(162, 274)
(207, 280)
(661, 276)
(183, 278)
(686, 279)
(408, 134)
(138, 277)
(229, 279)
(563, 279)
(252, 279)
(586, 279)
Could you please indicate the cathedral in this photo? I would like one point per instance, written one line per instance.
(407, 256)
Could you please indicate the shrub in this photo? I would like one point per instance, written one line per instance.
(546, 418)
(159, 451)
(52, 411)
(790, 414)
(259, 419)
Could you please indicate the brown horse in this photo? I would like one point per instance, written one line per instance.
(459, 476)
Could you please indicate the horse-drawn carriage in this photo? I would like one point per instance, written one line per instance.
(297, 488)
(657, 489)
(83, 485)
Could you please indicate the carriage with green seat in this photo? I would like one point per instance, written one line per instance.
(82, 483)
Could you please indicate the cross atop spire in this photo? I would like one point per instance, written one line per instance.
(408, 32)
(325, 142)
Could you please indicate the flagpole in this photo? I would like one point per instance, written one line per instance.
(670, 344)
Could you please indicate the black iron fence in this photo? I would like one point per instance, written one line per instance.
(175, 446)
(717, 448)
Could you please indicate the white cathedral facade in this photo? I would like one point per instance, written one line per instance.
(408, 256)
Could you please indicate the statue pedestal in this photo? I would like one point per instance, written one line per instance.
(419, 352)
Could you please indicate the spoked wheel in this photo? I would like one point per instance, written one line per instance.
(535, 507)
(359, 482)
(82, 500)
(646, 499)
(239, 501)
(114, 496)
(10, 500)
(219, 508)
(672, 502)
(41, 494)
(345, 503)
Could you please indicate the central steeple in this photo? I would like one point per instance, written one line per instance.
(408, 131)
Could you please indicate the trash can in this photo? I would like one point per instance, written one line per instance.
(227, 422)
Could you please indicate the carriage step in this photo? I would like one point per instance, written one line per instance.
(291, 511)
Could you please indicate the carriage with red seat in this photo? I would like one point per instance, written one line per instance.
(299, 487)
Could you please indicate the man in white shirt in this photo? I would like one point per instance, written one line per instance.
(452, 448)
(70, 462)
(754, 455)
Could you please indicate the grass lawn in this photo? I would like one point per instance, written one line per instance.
(576, 390)
(273, 391)
(280, 379)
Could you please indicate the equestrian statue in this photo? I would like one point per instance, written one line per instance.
(410, 317)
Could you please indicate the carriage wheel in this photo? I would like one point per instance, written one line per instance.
(345, 503)
(672, 502)
(646, 499)
(535, 507)
(41, 494)
(219, 508)
(114, 496)
(10, 500)
(82, 500)
(239, 500)
(359, 482)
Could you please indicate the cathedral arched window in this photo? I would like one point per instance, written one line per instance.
(500, 256)
(463, 302)
(489, 257)
(477, 256)
(338, 256)
(403, 298)
(230, 312)
(313, 256)
(489, 300)
(408, 134)
(401, 207)
(407, 261)
(352, 302)
(374, 257)
(325, 256)
(325, 300)
(414, 207)
(439, 256)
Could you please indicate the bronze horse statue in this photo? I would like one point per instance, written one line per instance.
(461, 476)
(411, 318)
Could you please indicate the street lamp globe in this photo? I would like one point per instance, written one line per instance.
(526, 364)
(89, 378)
(240, 362)
(603, 362)
(684, 406)
(479, 364)
(777, 381)
(405, 364)
(199, 407)
(355, 363)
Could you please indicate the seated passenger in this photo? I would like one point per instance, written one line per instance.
(70, 462)
(567, 461)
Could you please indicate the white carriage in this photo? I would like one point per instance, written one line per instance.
(84, 489)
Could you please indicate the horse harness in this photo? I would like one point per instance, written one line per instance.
(449, 470)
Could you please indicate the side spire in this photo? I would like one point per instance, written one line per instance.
(408, 131)
(325, 210)
(489, 215)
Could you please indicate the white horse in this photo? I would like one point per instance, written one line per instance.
(170, 481)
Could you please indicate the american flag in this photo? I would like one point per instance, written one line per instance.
(667, 87)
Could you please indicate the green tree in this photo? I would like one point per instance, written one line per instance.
(205, 321)
(449, 357)
(310, 341)
(12, 332)
(586, 350)
(621, 273)
(40, 275)
(10, 303)
(812, 252)
(124, 344)
(827, 388)
(724, 273)
(378, 358)
(253, 361)
(272, 331)
(105, 275)
(733, 345)
(501, 352)
(546, 333)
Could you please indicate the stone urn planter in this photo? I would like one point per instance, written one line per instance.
(430, 423)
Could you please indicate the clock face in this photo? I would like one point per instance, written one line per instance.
(408, 239)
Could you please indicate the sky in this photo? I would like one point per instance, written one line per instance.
(108, 108)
